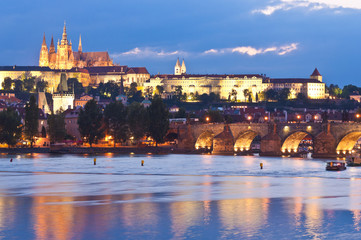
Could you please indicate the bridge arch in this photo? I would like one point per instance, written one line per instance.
(348, 142)
(244, 140)
(292, 141)
(205, 140)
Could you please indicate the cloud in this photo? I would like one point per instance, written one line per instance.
(286, 5)
(252, 51)
(146, 52)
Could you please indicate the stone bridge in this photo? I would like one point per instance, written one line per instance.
(329, 139)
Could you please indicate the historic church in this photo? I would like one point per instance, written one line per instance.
(66, 58)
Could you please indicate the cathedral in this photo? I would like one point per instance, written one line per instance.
(66, 58)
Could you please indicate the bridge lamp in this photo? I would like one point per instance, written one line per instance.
(266, 118)
(242, 149)
(338, 152)
(298, 117)
(235, 149)
(197, 147)
(207, 119)
(344, 152)
(249, 118)
(358, 116)
(309, 128)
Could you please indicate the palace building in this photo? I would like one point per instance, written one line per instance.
(66, 58)
(233, 85)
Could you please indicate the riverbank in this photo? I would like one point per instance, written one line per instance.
(96, 150)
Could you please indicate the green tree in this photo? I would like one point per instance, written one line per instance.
(7, 83)
(178, 91)
(284, 94)
(73, 83)
(31, 120)
(246, 93)
(132, 90)
(19, 86)
(271, 94)
(56, 127)
(159, 90)
(233, 94)
(159, 121)
(115, 115)
(137, 119)
(29, 84)
(90, 122)
(41, 86)
(10, 127)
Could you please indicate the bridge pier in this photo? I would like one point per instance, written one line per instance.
(223, 143)
(271, 145)
(324, 145)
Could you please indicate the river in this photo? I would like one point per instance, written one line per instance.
(46, 196)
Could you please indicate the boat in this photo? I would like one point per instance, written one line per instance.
(353, 159)
(335, 166)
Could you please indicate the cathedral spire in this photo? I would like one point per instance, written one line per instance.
(80, 48)
(52, 47)
(64, 39)
(44, 42)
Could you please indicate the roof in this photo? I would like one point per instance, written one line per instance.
(140, 70)
(92, 56)
(209, 75)
(107, 69)
(24, 68)
(316, 73)
(293, 80)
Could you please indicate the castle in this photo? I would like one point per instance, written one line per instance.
(66, 58)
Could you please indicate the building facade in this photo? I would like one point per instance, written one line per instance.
(63, 99)
(65, 58)
(233, 86)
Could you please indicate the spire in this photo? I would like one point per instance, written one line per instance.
(316, 73)
(52, 47)
(183, 69)
(178, 63)
(44, 42)
(64, 39)
(80, 48)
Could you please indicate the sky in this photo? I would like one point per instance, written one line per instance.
(279, 38)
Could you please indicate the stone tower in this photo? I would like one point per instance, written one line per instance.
(316, 75)
(177, 68)
(63, 99)
(44, 54)
(183, 68)
(65, 58)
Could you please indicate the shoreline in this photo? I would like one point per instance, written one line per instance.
(96, 150)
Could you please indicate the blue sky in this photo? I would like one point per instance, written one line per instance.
(280, 38)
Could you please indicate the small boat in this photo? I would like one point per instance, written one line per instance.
(353, 160)
(335, 166)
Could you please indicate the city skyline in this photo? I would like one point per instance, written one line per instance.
(282, 38)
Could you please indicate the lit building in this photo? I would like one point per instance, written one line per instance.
(233, 86)
(63, 99)
(66, 58)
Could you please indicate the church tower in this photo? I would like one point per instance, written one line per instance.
(44, 54)
(316, 75)
(64, 57)
(183, 68)
(80, 48)
(177, 68)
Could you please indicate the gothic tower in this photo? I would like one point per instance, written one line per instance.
(177, 68)
(52, 54)
(80, 48)
(183, 69)
(44, 54)
(64, 56)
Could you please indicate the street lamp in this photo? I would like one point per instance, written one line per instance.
(358, 116)
(266, 118)
(249, 118)
(207, 119)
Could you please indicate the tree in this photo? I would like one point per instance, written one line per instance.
(10, 127)
(250, 97)
(7, 83)
(41, 86)
(90, 122)
(115, 115)
(137, 119)
(19, 86)
(257, 97)
(271, 94)
(132, 90)
(233, 94)
(159, 90)
(31, 120)
(178, 91)
(159, 121)
(76, 85)
(56, 127)
(214, 116)
(246, 94)
(284, 94)
(29, 84)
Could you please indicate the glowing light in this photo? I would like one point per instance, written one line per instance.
(338, 152)
(315, 117)
(286, 128)
(266, 118)
(249, 118)
(207, 119)
(298, 117)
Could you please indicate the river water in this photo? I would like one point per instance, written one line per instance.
(176, 197)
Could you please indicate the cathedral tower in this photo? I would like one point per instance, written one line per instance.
(64, 57)
(80, 48)
(44, 54)
(177, 68)
(183, 68)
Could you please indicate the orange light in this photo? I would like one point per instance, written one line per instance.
(207, 119)
(315, 117)
(357, 115)
(249, 117)
(266, 118)
(298, 117)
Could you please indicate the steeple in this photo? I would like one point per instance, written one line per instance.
(64, 39)
(183, 69)
(177, 68)
(80, 49)
(44, 42)
(52, 47)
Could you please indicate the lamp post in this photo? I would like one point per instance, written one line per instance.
(298, 118)
(249, 118)
(207, 119)
(358, 117)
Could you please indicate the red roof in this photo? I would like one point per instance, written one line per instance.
(316, 73)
